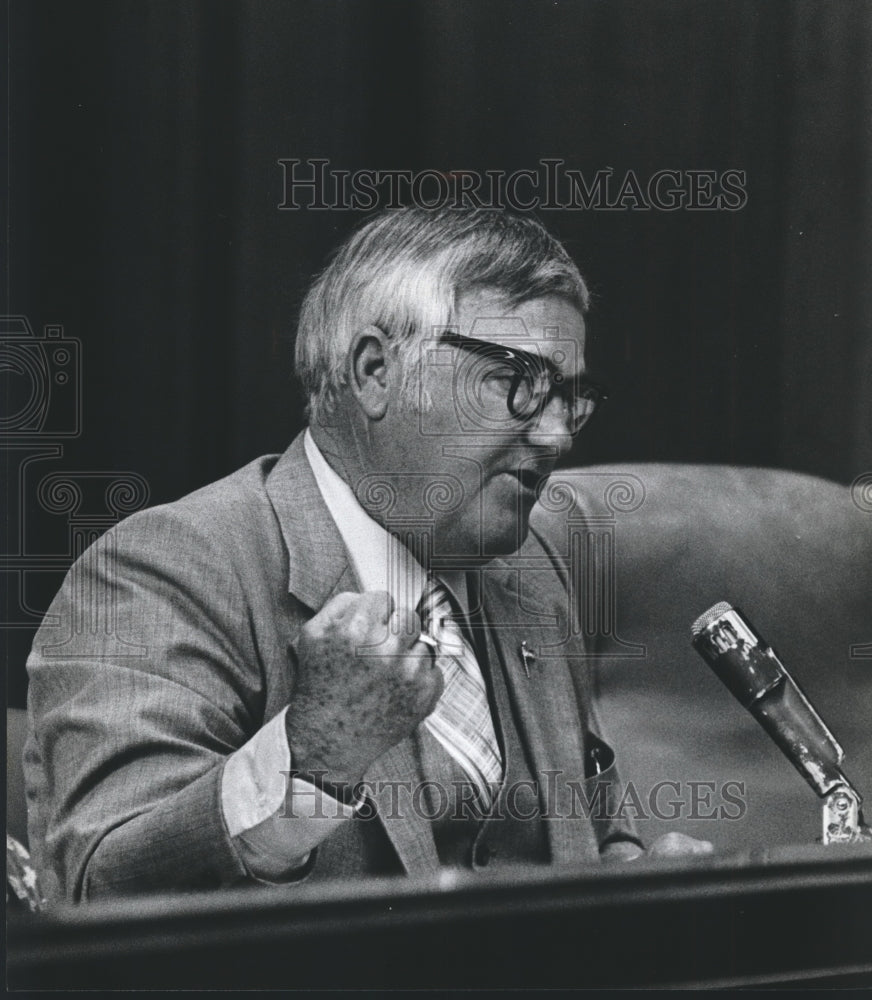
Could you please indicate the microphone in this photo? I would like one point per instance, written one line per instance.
(750, 669)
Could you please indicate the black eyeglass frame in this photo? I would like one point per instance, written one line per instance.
(593, 390)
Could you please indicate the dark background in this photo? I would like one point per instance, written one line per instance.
(144, 190)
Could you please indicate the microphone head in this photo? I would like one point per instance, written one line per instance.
(707, 617)
(728, 643)
(755, 676)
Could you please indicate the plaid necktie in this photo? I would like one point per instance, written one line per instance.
(461, 721)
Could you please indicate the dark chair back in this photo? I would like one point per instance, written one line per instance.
(664, 543)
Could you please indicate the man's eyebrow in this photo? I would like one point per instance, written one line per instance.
(542, 358)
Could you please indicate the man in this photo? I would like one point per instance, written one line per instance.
(352, 658)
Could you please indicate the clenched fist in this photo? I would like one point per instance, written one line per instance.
(350, 704)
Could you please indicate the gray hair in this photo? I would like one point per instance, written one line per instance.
(404, 271)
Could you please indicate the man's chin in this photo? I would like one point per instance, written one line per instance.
(493, 541)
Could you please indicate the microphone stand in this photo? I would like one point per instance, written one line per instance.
(842, 819)
(760, 681)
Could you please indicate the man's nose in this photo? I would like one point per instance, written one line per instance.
(553, 427)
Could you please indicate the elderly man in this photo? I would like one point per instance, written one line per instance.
(354, 657)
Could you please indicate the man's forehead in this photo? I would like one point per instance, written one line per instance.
(550, 327)
(487, 314)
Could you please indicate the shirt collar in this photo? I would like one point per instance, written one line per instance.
(379, 561)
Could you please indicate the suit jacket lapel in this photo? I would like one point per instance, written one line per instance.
(318, 568)
(318, 564)
(549, 718)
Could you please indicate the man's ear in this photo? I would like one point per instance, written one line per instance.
(369, 360)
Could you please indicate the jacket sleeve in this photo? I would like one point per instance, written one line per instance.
(150, 764)
(138, 693)
(144, 680)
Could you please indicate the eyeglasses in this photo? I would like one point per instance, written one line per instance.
(529, 382)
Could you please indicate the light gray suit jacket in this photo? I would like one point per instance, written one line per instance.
(171, 643)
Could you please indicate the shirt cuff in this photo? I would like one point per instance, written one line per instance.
(275, 820)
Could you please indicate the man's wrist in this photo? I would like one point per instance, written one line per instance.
(329, 777)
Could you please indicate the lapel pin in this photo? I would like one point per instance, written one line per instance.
(527, 656)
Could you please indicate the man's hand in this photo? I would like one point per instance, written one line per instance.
(674, 845)
(351, 704)
(669, 845)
